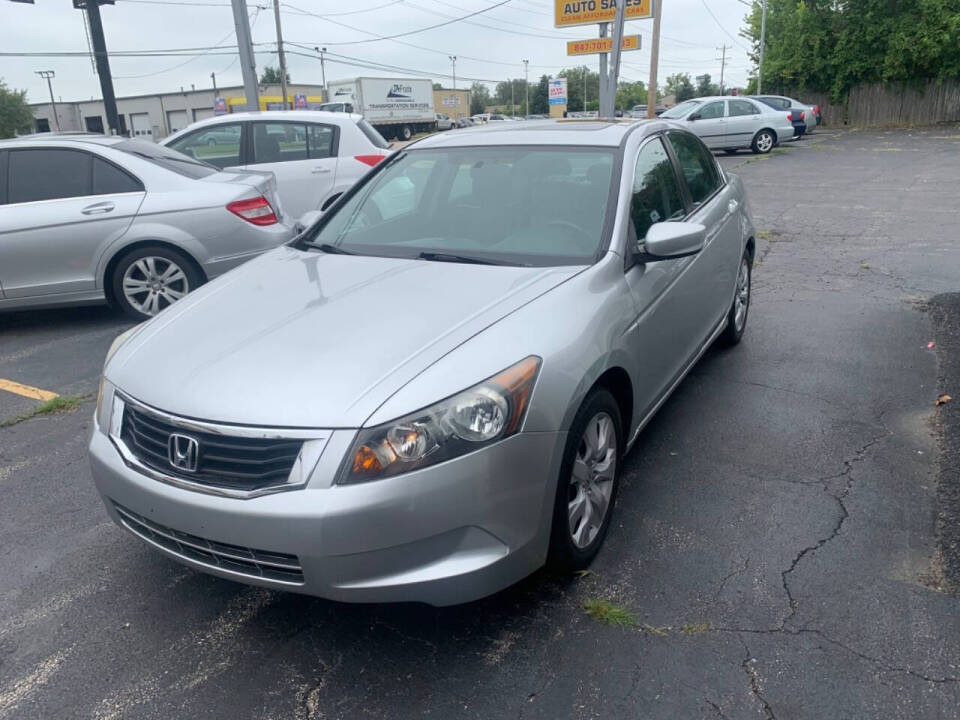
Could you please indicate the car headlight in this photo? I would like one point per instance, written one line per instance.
(105, 391)
(481, 415)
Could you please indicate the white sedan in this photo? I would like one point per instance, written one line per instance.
(315, 155)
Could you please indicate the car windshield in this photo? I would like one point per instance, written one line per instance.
(166, 158)
(679, 111)
(502, 205)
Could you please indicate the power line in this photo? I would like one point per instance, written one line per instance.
(707, 8)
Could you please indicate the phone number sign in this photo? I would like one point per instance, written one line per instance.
(587, 12)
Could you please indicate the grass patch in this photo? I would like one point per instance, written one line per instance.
(606, 612)
(694, 628)
(54, 406)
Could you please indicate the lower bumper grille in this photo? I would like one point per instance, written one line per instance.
(279, 567)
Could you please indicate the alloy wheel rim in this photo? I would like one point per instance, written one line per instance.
(591, 481)
(741, 300)
(151, 284)
(764, 142)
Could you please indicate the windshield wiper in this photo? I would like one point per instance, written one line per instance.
(329, 249)
(450, 257)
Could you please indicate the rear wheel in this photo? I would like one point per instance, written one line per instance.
(587, 488)
(406, 132)
(149, 279)
(763, 142)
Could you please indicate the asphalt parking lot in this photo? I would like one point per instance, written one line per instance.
(780, 547)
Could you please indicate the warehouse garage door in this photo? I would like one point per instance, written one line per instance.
(202, 113)
(177, 120)
(140, 126)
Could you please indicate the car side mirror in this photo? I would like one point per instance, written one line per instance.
(672, 240)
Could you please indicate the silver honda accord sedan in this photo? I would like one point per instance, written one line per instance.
(429, 393)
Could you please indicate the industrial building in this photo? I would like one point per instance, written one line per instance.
(452, 103)
(153, 117)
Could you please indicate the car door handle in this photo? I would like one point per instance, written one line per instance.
(320, 170)
(98, 208)
(732, 206)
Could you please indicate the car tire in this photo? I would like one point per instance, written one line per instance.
(763, 142)
(740, 307)
(575, 541)
(406, 132)
(151, 278)
(211, 141)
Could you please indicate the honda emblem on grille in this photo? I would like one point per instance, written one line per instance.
(183, 452)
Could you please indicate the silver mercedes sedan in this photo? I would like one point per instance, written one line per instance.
(429, 393)
(86, 219)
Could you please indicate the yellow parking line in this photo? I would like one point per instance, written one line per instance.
(26, 390)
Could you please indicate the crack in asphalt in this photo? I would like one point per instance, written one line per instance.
(754, 678)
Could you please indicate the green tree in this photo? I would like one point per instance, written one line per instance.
(15, 115)
(679, 86)
(705, 87)
(271, 76)
(630, 94)
(479, 98)
(540, 97)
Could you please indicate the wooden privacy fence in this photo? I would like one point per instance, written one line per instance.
(881, 104)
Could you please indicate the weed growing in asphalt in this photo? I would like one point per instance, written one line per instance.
(694, 628)
(607, 613)
(54, 406)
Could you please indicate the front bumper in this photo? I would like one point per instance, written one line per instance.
(442, 535)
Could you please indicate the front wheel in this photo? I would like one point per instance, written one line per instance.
(740, 307)
(150, 279)
(587, 487)
(763, 142)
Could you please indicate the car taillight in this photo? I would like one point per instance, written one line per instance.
(802, 114)
(790, 117)
(254, 210)
(816, 109)
(370, 160)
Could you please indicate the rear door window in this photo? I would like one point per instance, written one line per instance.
(216, 144)
(108, 179)
(275, 142)
(699, 169)
(742, 107)
(321, 141)
(48, 174)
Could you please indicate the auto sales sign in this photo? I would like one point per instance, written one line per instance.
(587, 12)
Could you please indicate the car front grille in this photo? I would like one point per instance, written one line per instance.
(234, 462)
(279, 567)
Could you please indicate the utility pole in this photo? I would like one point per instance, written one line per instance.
(526, 84)
(610, 108)
(248, 65)
(453, 59)
(103, 63)
(723, 64)
(47, 75)
(654, 57)
(585, 72)
(323, 68)
(513, 105)
(213, 76)
(283, 62)
(763, 42)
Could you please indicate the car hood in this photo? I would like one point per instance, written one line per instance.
(306, 339)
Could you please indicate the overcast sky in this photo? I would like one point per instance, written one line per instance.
(489, 46)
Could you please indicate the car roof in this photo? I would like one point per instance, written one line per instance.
(65, 137)
(278, 115)
(586, 132)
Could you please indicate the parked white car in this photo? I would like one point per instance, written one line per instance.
(444, 122)
(315, 155)
(733, 123)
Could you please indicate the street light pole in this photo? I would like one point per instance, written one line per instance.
(526, 85)
(585, 71)
(47, 75)
(453, 59)
(323, 69)
(654, 59)
(248, 65)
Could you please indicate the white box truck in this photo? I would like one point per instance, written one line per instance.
(397, 108)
